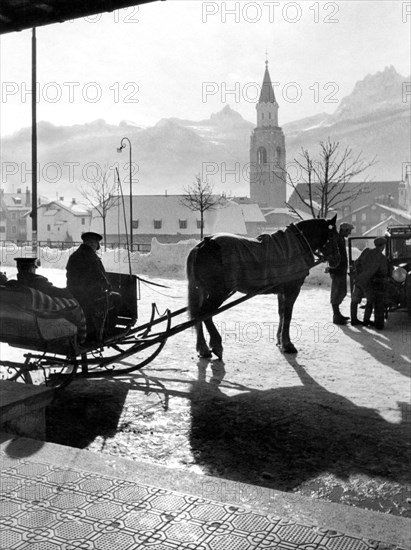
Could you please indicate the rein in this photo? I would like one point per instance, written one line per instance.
(151, 282)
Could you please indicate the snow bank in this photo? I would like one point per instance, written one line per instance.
(318, 277)
(164, 260)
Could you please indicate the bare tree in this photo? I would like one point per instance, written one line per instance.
(328, 181)
(199, 197)
(101, 196)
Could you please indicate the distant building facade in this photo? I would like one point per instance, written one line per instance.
(60, 221)
(390, 194)
(254, 219)
(372, 216)
(167, 219)
(14, 211)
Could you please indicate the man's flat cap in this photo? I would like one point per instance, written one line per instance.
(379, 241)
(346, 225)
(25, 262)
(91, 235)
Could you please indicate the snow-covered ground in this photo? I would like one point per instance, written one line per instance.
(333, 418)
(343, 358)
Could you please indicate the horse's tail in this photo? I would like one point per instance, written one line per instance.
(194, 293)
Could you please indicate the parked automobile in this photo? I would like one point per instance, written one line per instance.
(398, 252)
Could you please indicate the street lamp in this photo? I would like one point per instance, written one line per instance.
(119, 149)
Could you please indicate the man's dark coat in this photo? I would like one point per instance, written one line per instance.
(86, 276)
(38, 282)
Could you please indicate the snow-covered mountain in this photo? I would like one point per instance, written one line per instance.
(374, 119)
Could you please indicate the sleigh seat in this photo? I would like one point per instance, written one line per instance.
(29, 319)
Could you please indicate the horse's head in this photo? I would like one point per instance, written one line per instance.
(322, 237)
(329, 251)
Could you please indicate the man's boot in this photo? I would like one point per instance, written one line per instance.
(354, 318)
(367, 315)
(338, 319)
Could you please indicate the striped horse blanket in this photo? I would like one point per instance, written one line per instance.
(68, 308)
(268, 260)
(44, 307)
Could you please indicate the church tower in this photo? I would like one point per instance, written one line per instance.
(267, 152)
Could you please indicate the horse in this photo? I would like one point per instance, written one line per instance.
(222, 264)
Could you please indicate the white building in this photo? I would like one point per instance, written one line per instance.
(62, 221)
(165, 217)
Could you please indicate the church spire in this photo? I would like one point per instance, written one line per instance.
(267, 106)
(267, 91)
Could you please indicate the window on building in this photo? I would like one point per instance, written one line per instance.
(182, 224)
(2, 229)
(48, 227)
(199, 224)
(363, 228)
(13, 216)
(269, 115)
(261, 155)
(364, 216)
(13, 229)
(354, 217)
(158, 224)
(134, 225)
(383, 215)
(83, 221)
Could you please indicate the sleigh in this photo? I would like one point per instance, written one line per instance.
(56, 353)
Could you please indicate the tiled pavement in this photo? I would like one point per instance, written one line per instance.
(58, 498)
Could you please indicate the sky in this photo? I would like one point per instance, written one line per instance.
(188, 59)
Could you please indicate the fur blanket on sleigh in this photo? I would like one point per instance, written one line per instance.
(269, 259)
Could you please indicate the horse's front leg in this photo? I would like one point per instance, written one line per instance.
(202, 349)
(216, 344)
(286, 300)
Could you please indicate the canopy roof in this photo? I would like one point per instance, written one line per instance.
(17, 15)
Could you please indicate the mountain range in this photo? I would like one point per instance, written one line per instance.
(373, 120)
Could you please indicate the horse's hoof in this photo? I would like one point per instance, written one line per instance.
(218, 353)
(289, 348)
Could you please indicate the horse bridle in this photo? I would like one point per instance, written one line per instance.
(319, 254)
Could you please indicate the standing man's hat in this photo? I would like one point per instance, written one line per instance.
(91, 235)
(26, 262)
(380, 241)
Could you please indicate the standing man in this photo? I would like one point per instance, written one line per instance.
(88, 282)
(339, 276)
(371, 271)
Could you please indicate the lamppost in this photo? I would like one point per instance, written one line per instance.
(119, 149)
